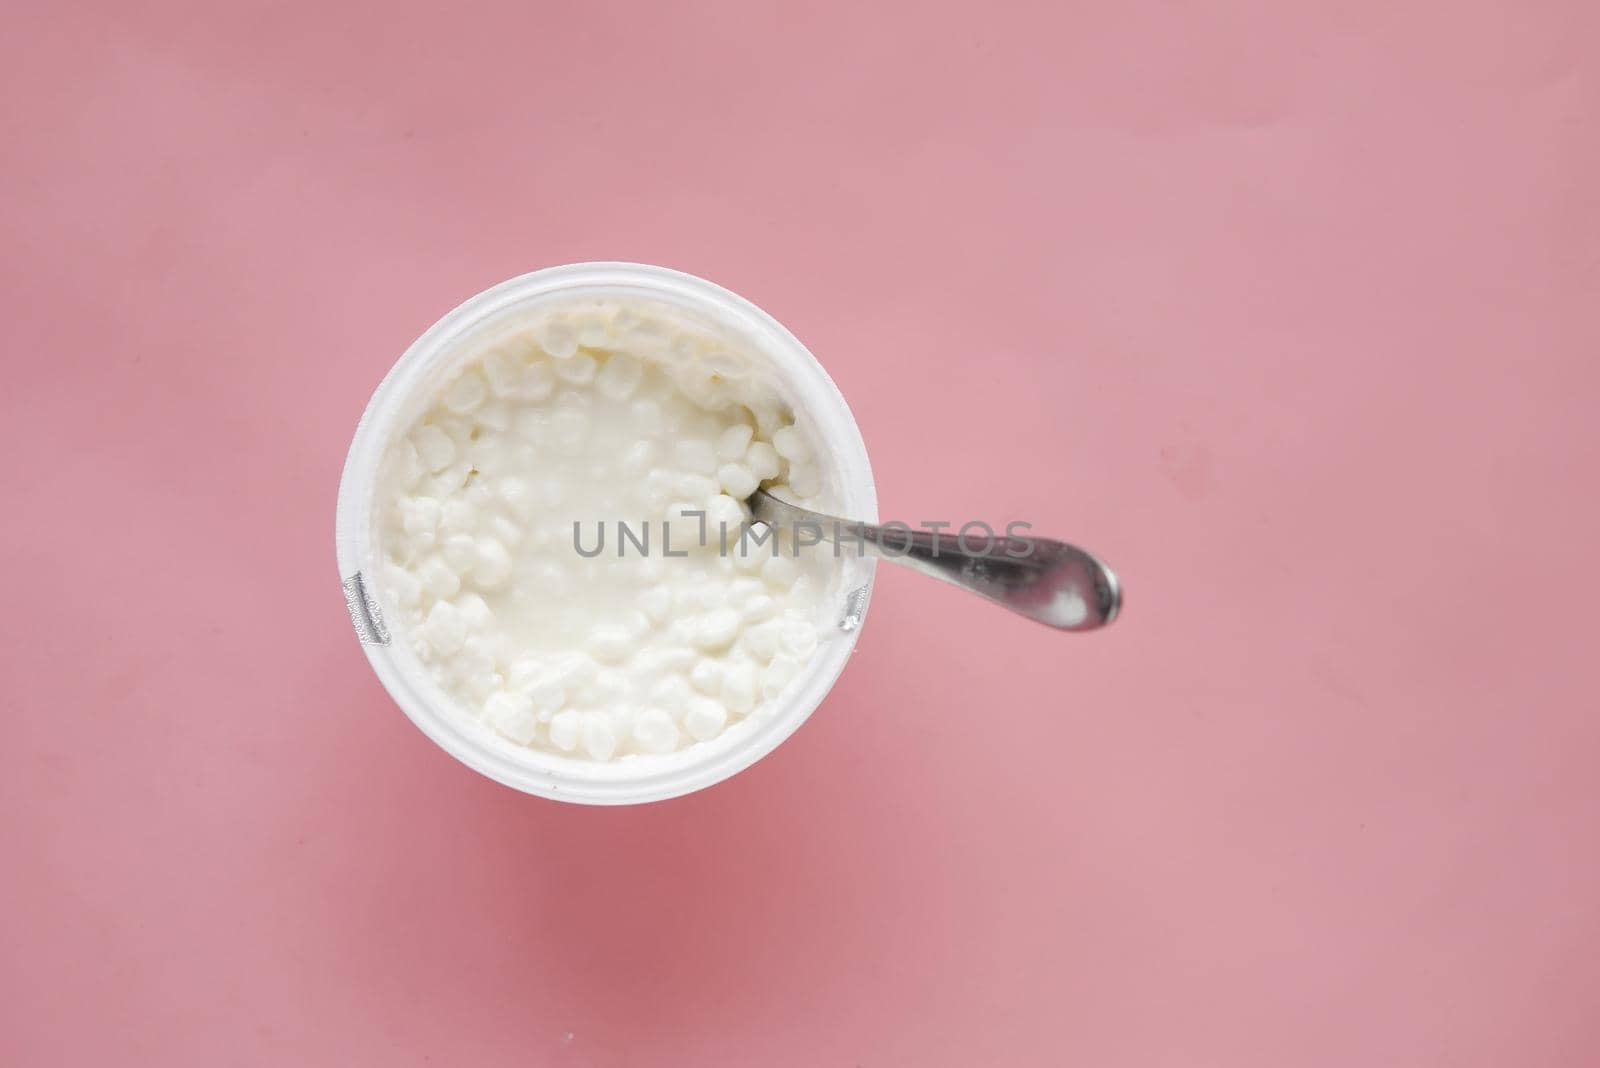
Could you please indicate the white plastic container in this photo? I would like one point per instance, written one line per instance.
(408, 386)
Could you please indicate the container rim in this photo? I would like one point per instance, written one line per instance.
(632, 779)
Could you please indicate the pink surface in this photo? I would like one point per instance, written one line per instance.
(1287, 309)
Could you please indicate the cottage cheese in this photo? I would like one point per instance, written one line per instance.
(656, 624)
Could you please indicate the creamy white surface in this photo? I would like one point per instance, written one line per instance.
(602, 413)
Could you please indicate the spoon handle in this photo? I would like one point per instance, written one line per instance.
(1050, 581)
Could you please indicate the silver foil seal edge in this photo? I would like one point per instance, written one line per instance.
(855, 606)
(364, 613)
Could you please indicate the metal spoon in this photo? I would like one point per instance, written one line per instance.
(1055, 583)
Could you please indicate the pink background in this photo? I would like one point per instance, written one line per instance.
(1288, 309)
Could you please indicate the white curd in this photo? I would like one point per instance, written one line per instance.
(655, 627)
